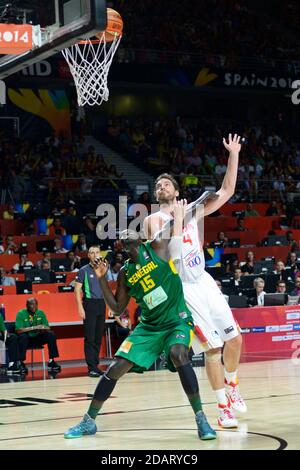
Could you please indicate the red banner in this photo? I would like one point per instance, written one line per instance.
(15, 38)
(269, 332)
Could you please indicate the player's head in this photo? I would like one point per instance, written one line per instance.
(166, 188)
(131, 241)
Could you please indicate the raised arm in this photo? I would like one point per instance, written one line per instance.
(167, 242)
(118, 302)
(229, 182)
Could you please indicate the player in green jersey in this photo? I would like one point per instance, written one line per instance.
(149, 276)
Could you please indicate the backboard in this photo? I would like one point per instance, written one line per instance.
(62, 22)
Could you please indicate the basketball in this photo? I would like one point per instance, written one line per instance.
(114, 25)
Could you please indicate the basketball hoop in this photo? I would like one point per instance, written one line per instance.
(90, 60)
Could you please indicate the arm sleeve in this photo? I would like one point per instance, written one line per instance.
(80, 276)
(44, 319)
(19, 322)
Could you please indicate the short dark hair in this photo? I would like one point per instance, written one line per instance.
(280, 282)
(169, 177)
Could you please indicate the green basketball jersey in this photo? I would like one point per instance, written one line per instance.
(156, 287)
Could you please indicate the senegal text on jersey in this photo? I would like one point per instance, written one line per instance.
(142, 272)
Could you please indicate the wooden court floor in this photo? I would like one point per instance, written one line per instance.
(150, 411)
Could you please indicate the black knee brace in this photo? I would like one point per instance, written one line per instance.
(104, 388)
(188, 379)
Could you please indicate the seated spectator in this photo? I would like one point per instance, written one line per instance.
(71, 221)
(190, 181)
(23, 249)
(6, 280)
(75, 261)
(1, 246)
(9, 213)
(222, 240)
(90, 232)
(279, 268)
(250, 212)
(290, 239)
(113, 173)
(241, 225)
(145, 199)
(81, 244)
(237, 277)
(56, 228)
(281, 287)
(259, 285)
(33, 329)
(45, 266)
(123, 324)
(11, 343)
(292, 261)
(46, 257)
(24, 261)
(296, 291)
(247, 267)
(272, 209)
(58, 246)
(114, 271)
(118, 254)
(219, 284)
(230, 266)
(11, 247)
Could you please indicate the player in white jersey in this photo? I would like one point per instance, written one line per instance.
(214, 322)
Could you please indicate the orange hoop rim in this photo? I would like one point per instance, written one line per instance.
(97, 41)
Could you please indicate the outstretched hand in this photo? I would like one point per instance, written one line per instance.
(233, 145)
(100, 267)
(179, 209)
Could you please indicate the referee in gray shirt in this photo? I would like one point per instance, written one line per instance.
(91, 308)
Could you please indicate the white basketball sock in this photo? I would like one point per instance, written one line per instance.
(221, 396)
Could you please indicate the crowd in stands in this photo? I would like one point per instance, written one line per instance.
(48, 167)
(288, 13)
(269, 163)
(207, 27)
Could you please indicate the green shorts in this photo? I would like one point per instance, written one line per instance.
(144, 345)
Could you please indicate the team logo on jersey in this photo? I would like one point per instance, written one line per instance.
(146, 255)
(193, 259)
(180, 336)
(215, 334)
(183, 315)
(125, 347)
(229, 330)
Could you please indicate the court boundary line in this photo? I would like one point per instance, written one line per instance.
(137, 411)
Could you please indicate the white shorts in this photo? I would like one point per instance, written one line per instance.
(213, 319)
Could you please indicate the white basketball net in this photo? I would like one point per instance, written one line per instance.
(89, 64)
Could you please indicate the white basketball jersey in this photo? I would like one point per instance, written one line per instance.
(192, 263)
